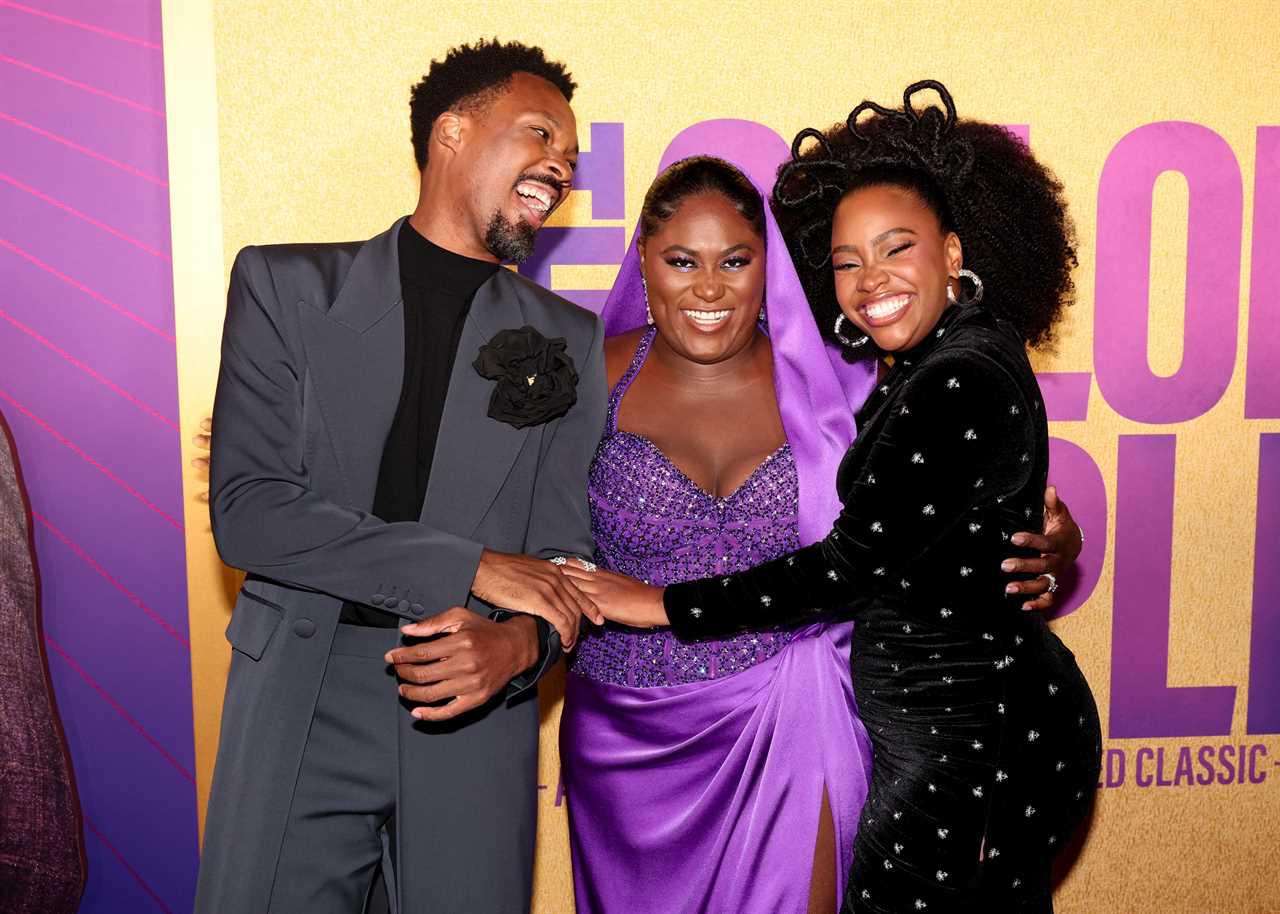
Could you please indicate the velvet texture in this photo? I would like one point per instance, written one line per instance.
(986, 735)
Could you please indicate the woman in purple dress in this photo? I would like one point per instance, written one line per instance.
(715, 776)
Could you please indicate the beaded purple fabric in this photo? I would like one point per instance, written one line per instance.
(652, 522)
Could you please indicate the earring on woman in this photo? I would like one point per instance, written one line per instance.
(852, 344)
(761, 319)
(977, 289)
(648, 313)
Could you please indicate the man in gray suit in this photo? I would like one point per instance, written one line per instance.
(403, 430)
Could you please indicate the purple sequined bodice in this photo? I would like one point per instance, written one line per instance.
(650, 521)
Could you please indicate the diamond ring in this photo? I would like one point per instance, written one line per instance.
(558, 560)
(1053, 581)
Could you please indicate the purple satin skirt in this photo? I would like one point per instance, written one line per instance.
(705, 797)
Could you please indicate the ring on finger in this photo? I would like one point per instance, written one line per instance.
(587, 565)
(1053, 581)
(559, 560)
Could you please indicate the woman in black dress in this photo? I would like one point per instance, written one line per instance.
(946, 246)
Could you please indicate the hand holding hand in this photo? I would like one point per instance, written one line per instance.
(525, 584)
(469, 662)
(1059, 547)
(621, 599)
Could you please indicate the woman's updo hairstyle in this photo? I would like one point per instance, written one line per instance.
(980, 180)
(699, 175)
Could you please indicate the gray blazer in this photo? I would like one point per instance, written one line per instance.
(312, 365)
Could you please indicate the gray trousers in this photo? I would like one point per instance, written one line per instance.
(431, 807)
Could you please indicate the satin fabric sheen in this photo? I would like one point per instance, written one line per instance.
(704, 797)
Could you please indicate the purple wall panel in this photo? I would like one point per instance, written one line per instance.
(88, 382)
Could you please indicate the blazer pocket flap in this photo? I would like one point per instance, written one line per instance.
(253, 622)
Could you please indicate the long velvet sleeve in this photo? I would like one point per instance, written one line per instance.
(959, 435)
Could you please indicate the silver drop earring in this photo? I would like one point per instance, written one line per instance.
(851, 344)
(648, 313)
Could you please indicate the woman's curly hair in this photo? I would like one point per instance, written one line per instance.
(982, 182)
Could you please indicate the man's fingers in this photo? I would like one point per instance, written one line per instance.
(200, 463)
(201, 441)
(426, 672)
(206, 424)
(458, 687)
(1051, 500)
(448, 621)
(460, 705)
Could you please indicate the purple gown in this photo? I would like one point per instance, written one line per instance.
(694, 771)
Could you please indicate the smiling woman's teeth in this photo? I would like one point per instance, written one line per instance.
(886, 307)
(706, 318)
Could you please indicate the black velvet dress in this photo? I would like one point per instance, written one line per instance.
(985, 734)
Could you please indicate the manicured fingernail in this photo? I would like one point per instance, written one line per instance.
(1007, 565)
(387, 658)
(1011, 588)
(417, 712)
(1019, 539)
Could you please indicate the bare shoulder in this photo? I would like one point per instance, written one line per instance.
(618, 351)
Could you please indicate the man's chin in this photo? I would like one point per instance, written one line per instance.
(510, 241)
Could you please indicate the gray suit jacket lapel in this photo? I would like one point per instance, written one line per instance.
(474, 453)
(355, 355)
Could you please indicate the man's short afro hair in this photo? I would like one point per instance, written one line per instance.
(470, 77)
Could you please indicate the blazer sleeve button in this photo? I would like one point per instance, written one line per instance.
(417, 609)
(377, 599)
(403, 606)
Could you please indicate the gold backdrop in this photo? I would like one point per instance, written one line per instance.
(289, 122)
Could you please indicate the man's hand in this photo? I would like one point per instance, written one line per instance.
(469, 663)
(1059, 547)
(524, 584)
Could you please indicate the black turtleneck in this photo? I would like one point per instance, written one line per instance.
(437, 287)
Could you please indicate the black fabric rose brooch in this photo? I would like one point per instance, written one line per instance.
(536, 380)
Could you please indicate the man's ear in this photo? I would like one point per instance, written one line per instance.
(449, 130)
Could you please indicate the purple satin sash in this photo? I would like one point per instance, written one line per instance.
(705, 797)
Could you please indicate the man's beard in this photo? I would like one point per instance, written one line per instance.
(507, 240)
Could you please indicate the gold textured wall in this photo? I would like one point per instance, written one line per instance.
(307, 138)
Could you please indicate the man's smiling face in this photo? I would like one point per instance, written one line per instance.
(517, 160)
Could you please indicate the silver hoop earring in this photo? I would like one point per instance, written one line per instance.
(969, 299)
(851, 344)
(648, 313)
(977, 285)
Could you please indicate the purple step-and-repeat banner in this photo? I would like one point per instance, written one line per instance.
(88, 383)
